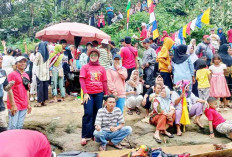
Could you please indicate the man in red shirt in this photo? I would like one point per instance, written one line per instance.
(19, 105)
(129, 57)
(229, 33)
(143, 33)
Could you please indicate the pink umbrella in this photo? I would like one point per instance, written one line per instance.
(70, 30)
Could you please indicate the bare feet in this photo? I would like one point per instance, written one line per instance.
(197, 122)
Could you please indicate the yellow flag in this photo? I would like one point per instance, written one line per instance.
(184, 31)
(155, 34)
(149, 3)
(206, 17)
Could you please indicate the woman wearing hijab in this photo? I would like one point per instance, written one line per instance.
(57, 72)
(225, 52)
(116, 76)
(221, 36)
(94, 85)
(165, 34)
(183, 68)
(164, 62)
(163, 114)
(42, 75)
(191, 51)
(195, 104)
(134, 89)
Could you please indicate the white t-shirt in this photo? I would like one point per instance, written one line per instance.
(7, 63)
(219, 69)
(215, 41)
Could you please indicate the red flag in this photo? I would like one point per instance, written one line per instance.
(188, 28)
(151, 8)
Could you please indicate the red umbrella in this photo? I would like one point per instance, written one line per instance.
(69, 31)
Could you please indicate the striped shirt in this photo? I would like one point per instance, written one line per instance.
(105, 58)
(107, 119)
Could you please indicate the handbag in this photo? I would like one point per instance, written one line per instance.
(26, 81)
(61, 72)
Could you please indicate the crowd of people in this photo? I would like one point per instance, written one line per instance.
(116, 81)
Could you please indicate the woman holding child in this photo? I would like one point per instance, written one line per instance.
(163, 114)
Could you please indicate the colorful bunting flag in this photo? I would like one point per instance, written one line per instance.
(128, 12)
(198, 22)
(193, 24)
(184, 31)
(188, 28)
(206, 17)
(180, 35)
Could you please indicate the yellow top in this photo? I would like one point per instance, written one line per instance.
(202, 76)
(163, 57)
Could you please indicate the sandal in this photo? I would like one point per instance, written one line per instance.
(179, 134)
(137, 111)
(157, 140)
(52, 101)
(129, 112)
(83, 141)
(117, 146)
(102, 148)
(169, 136)
(38, 105)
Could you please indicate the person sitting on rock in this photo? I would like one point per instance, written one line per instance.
(159, 83)
(163, 115)
(216, 121)
(195, 104)
(133, 90)
(109, 125)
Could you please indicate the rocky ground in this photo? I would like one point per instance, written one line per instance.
(61, 122)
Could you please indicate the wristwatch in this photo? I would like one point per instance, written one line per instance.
(211, 132)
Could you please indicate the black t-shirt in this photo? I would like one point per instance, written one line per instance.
(3, 85)
(67, 57)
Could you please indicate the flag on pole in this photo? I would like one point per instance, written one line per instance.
(193, 24)
(154, 30)
(128, 12)
(206, 17)
(180, 35)
(149, 3)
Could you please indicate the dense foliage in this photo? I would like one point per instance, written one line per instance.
(21, 19)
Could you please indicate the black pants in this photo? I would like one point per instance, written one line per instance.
(148, 103)
(109, 18)
(129, 71)
(167, 79)
(42, 90)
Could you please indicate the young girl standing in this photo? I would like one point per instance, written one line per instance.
(218, 85)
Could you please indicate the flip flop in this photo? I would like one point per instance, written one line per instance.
(117, 146)
(52, 101)
(179, 134)
(137, 111)
(157, 140)
(169, 136)
(38, 105)
(83, 142)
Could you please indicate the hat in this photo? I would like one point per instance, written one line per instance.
(146, 40)
(18, 59)
(93, 50)
(212, 29)
(127, 40)
(144, 24)
(105, 41)
(205, 36)
(116, 56)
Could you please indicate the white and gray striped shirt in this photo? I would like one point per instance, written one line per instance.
(107, 119)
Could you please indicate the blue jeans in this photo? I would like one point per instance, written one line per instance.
(78, 64)
(120, 104)
(60, 80)
(90, 113)
(115, 137)
(16, 121)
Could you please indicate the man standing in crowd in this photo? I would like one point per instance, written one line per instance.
(67, 64)
(148, 62)
(109, 125)
(129, 57)
(122, 42)
(214, 40)
(18, 102)
(143, 33)
(110, 14)
(205, 49)
(7, 87)
(229, 33)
